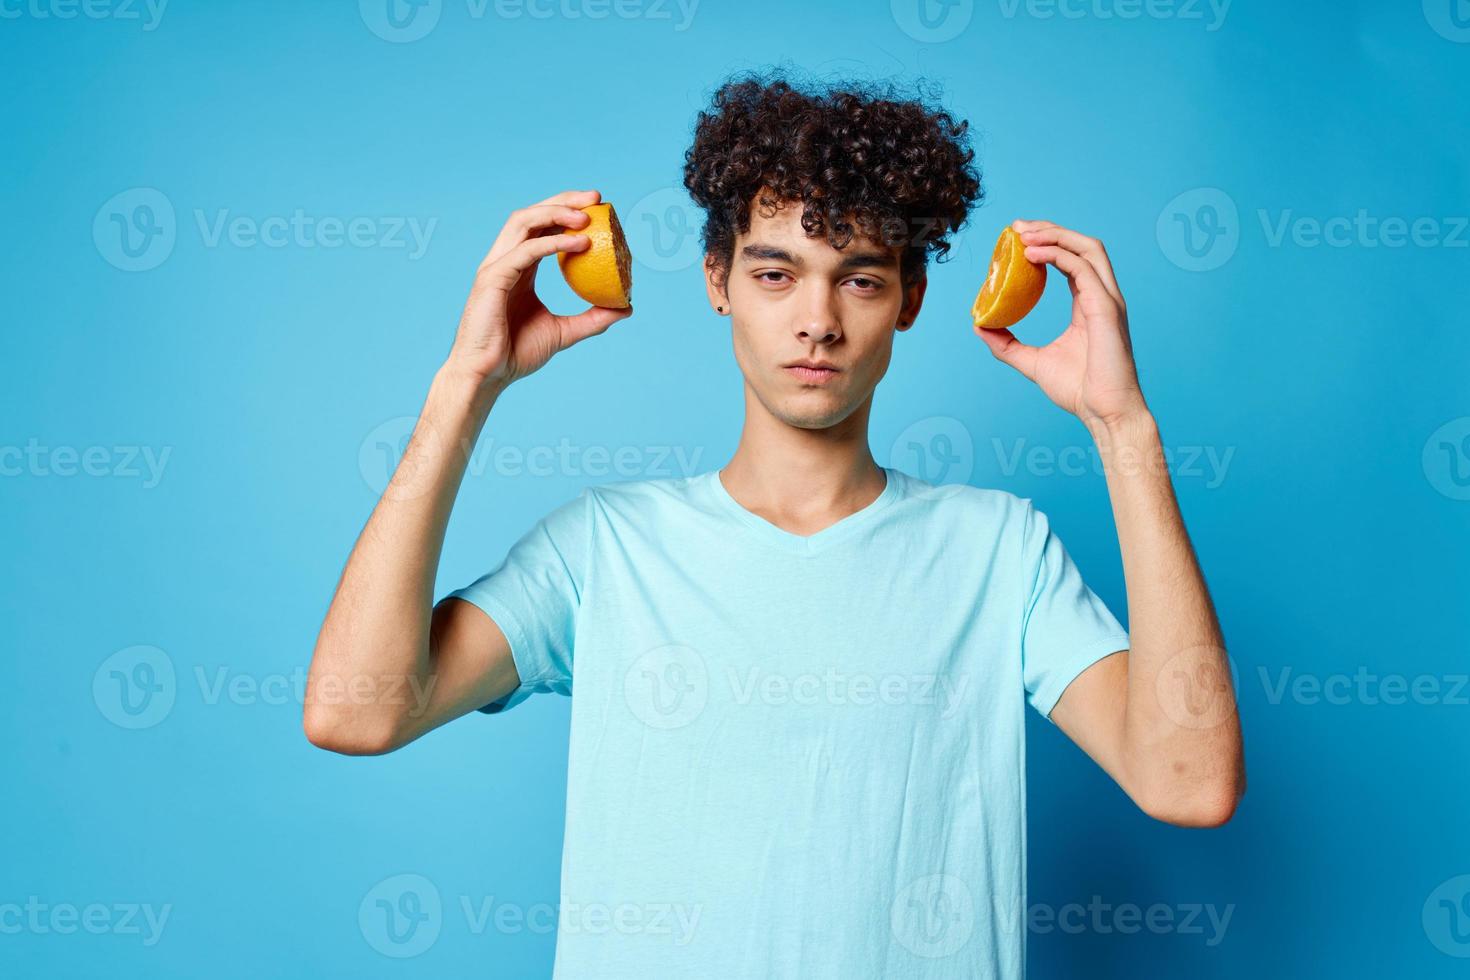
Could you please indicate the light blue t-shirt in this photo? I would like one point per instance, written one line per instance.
(794, 756)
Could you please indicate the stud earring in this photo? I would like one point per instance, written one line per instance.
(719, 309)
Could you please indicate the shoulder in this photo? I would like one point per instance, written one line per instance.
(965, 502)
(1009, 520)
(621, 498)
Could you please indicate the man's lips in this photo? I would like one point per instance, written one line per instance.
(805, 372)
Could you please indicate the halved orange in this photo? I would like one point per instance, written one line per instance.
(1012, 288)
(602, 274)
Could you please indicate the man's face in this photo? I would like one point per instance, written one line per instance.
(794, 298)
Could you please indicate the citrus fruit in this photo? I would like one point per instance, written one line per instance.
(1012, 288)
(602, 274)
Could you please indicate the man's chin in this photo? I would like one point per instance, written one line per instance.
(811, 409)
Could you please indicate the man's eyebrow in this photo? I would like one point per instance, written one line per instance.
(770, 253)
(868, 260)
(856, 260)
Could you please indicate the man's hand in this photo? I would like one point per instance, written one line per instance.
(506, 332)
(1089, 369)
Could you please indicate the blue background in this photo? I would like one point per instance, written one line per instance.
(278, 379)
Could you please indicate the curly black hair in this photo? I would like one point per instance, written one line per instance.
(859, 158)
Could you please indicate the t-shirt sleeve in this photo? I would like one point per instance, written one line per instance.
(534, 595)
(1066, 628)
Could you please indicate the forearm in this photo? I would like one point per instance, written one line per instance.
(1181, 734)
(372, 658)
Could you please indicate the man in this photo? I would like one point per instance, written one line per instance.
(799, 682)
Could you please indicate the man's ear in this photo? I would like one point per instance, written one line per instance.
(719, 299)
(913, 299)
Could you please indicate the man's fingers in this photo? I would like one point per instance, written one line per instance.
(522, 222)
(506, 270)
(1048, 233)
(1006, 348)
(572, 199)
(531, 222)
(1089, 288)
(590, 322)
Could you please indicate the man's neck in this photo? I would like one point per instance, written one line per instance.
(803, 480)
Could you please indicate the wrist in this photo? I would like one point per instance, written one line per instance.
(1129, 444)
(1131, 426)
(456, 389)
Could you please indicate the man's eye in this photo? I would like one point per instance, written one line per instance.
(767, 276)
(865, 285)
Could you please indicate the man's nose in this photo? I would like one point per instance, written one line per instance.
(819, 322)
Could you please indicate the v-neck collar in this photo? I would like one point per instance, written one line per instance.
(809, 544)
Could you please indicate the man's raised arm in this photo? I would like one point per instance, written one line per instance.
(389, 666)
(1160, 718)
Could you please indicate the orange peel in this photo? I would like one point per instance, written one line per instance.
(602, 273)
